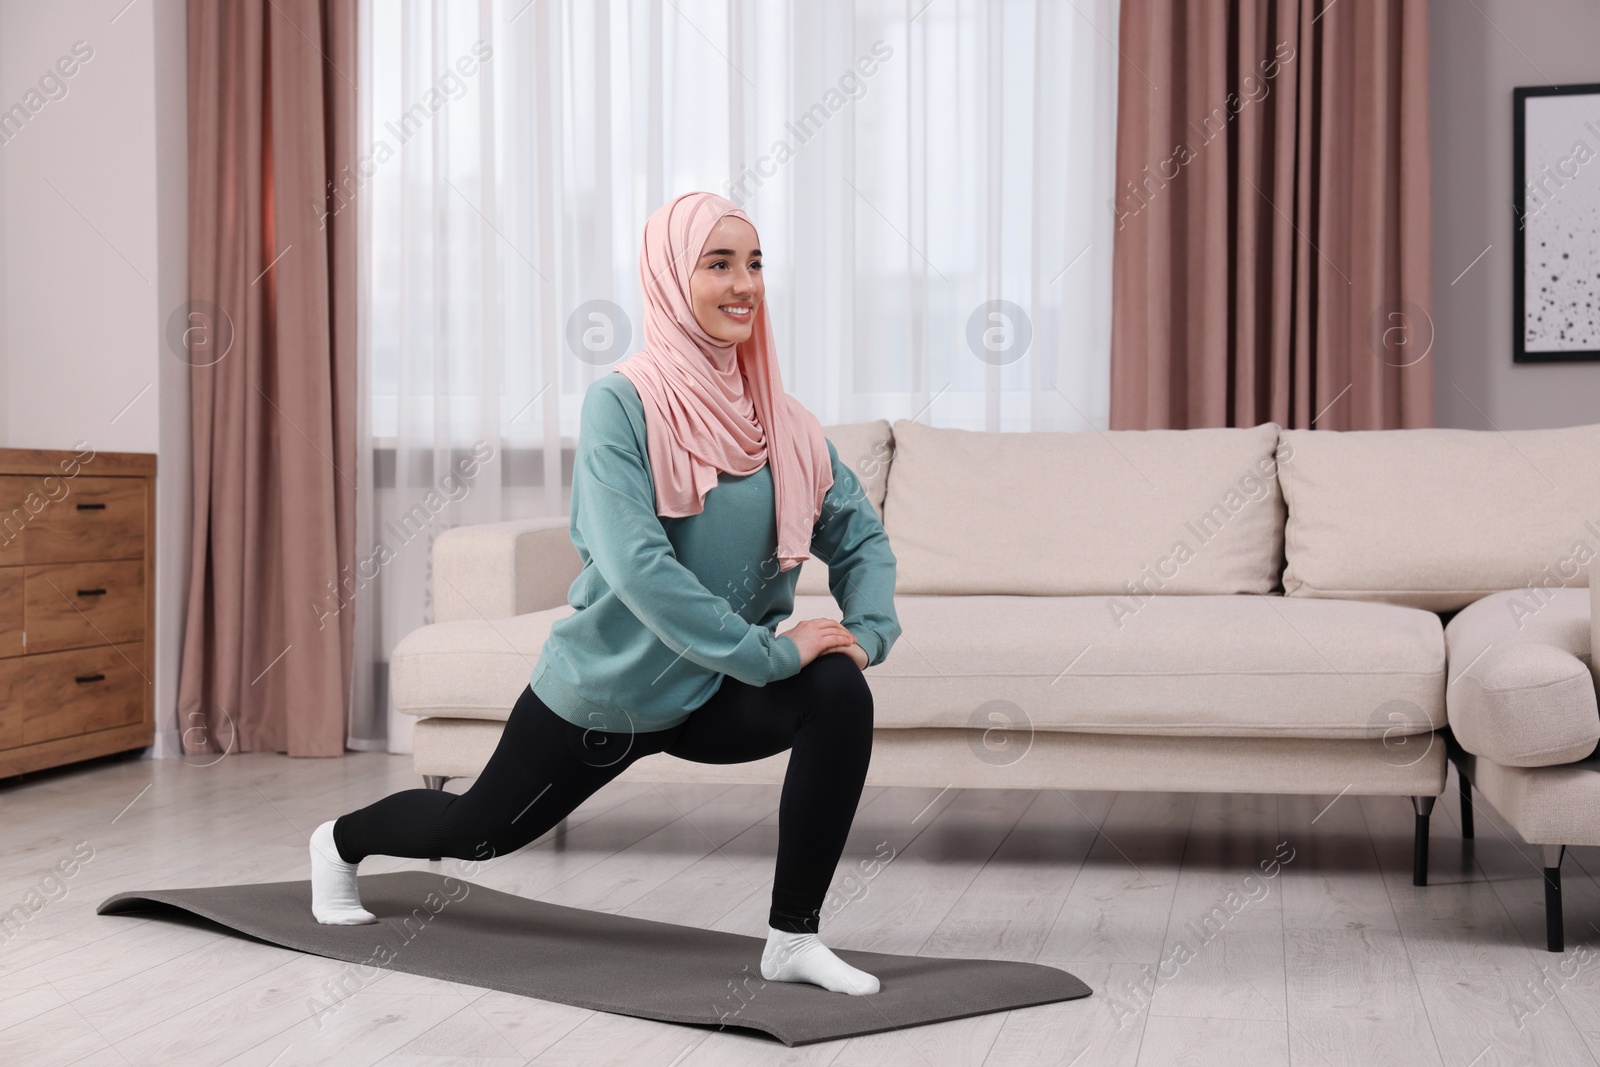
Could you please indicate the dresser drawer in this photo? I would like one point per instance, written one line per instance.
(11, 599)
(58, 520)
(14, 517)
(71, 605)
(69, 693)
(12, 671)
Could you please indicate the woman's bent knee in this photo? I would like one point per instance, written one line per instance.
(836, 680)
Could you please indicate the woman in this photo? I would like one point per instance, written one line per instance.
(698, 488)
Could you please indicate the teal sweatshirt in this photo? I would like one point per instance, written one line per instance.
(669, 606)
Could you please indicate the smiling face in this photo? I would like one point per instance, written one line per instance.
(728, 276)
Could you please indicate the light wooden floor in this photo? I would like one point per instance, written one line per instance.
(1336, 960)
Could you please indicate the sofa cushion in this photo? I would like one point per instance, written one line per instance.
(1042, 513)
(1193, 666)
(865, 448)
(1438, 518)
(1521, 691)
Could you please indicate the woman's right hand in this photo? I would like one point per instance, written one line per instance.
(817, 637)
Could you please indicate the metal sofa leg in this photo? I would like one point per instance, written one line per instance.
(1553, 935)
(561, 833)
(1466, 805)
(1419, 856)
(434, 781)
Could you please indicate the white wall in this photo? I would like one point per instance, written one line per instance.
(93, 256)
(7, 82)
(1478, 53)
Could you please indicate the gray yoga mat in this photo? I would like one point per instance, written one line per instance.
(448, 928)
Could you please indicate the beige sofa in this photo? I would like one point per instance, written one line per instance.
(1221, 610)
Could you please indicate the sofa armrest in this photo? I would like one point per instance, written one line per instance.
(1594, 620)
(495, 570)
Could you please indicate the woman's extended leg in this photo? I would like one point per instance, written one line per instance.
(824, 714)
(542, 768)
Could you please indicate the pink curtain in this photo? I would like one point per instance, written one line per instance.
(271, 341)
(1272, 243)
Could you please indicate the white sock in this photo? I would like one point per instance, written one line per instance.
(334, 901)
(804, 958)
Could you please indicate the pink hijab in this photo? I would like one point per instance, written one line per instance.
(712, 406)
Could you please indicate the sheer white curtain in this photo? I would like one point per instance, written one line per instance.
(930, 180)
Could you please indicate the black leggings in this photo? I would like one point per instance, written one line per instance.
(545, 766)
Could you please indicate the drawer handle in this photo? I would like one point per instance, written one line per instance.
(91, 507)
(91, 592)
(82, 678)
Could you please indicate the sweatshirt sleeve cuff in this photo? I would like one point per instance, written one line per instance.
(785, 658)
(871, 642)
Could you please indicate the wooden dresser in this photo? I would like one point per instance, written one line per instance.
(77, 605)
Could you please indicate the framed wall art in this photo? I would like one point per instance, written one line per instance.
(1556, 223)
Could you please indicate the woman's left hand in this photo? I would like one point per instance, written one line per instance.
(857, 653)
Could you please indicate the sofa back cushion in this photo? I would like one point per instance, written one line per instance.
(1118, 513)
(864, 447)
(1437, 518)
